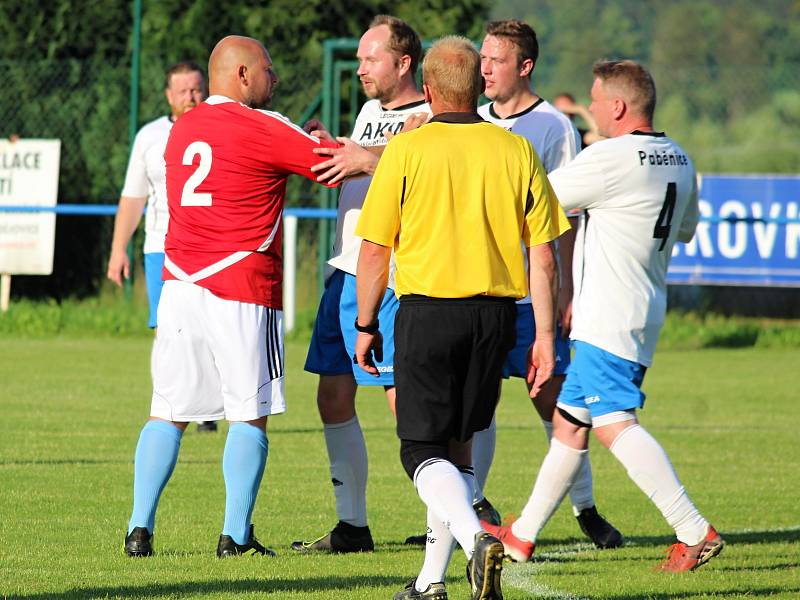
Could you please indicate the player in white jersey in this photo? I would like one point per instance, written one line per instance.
(145, 185)
(639, 192)
(388, 54)
(508, 57)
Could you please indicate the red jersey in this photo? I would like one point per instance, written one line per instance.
(227, 166)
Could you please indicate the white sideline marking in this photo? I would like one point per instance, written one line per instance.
(521, 576)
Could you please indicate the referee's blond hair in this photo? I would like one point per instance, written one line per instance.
(452, 67)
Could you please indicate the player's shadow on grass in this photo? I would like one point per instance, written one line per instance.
(227, 587)
(767, 536)
(738, 593)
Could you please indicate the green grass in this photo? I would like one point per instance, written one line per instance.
(73, 408)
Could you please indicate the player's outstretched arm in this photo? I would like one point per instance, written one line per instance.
(345, 161)
(129, 213)
(543, 276)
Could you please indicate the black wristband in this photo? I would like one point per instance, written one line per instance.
(371, 328)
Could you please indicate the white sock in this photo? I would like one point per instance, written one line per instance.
(483, 443)
(556, 475)
(650, 468)
(443, 490)
(439, 544)
(347, 453)
(580, 494)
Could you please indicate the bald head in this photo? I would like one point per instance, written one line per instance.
(241, 69)
(452, 74)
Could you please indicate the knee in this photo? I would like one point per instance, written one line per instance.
(336, 398)
(413, 454)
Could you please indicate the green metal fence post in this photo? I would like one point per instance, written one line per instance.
(133, 113)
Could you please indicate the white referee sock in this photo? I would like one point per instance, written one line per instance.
(483, 443)
(580, 494)
(439, 544)
(347, 453)
(444, 491)
(650, 468)
(556, 475)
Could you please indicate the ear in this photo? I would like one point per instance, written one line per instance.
(405, 64)
(618, 108)
(242, 74)
(526, 68)
(426, 91)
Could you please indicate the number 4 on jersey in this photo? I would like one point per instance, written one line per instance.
(189, 197)
(664, 221)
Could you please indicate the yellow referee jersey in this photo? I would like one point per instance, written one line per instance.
(454, 198)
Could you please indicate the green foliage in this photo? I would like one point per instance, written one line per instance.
(726, 71)
(692, 330)
(99, 317)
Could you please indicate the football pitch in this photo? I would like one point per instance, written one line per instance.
(73, 408)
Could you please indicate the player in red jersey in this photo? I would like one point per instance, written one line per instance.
(219, 348)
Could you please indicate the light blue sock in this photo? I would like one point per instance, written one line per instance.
(156, 455)
(242, 466)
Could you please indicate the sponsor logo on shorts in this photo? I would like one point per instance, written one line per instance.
(386, 369)
(592, 399)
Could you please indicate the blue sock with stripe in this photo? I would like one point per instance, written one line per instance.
(242, 466)
(156, 455)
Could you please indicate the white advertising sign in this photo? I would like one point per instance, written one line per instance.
(28, 176)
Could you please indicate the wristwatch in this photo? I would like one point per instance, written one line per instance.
(371, 328)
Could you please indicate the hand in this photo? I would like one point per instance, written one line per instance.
(346, 160)
(316, 128)
(367, 345)
(412, 122)
(564, 311)
(118, 267)
(541, 363)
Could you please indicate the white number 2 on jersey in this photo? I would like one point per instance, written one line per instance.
(189, 197)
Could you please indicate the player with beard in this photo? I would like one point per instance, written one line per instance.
(388, 55)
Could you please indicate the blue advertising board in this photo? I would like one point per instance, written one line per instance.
(749, 233)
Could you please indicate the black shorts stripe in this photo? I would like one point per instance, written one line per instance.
(273, 345)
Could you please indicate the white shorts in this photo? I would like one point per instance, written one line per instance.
(215, 358)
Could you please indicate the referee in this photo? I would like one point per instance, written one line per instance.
(454, 198)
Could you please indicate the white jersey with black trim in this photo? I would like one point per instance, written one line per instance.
(550, 132)
(146, 177)
(639, 192)
(372, 123)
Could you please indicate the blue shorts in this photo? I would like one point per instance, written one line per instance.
(333, 342)
(602, 382)
(153, 265)
(516, 364)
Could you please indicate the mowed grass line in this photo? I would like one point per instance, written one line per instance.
(73, 409)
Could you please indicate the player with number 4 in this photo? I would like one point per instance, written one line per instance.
(219, 347)
(639, 191)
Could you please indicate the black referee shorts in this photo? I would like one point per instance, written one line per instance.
(448, 361)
